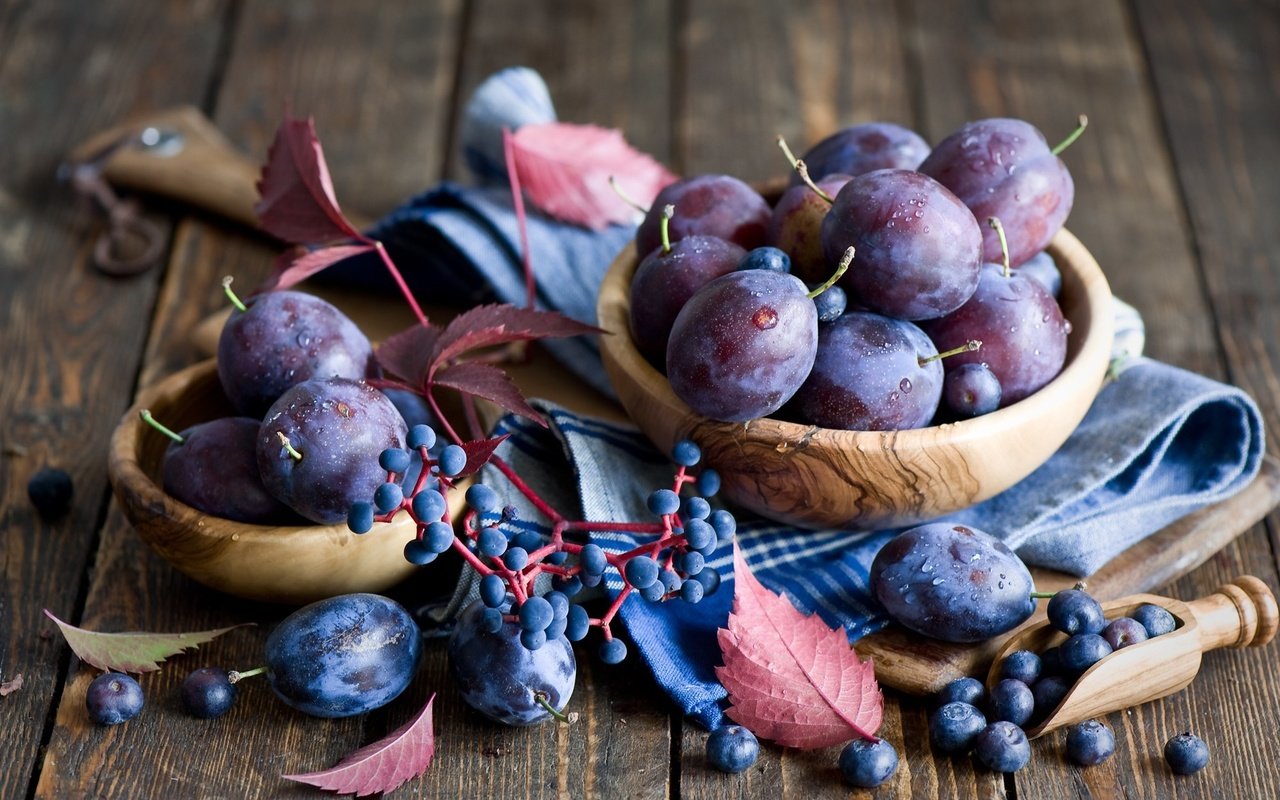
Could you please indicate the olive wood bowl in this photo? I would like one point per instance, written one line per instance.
(278, 564)
(821, 477)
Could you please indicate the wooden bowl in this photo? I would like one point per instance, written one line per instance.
(821, 477)
(278, 564)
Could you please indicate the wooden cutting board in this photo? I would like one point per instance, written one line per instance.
(210, 174)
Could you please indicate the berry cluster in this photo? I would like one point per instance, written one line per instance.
(670, 562)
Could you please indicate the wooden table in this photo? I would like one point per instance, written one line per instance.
(1177, 178)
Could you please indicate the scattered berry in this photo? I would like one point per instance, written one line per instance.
(686, 453)
(1156, 620)
(732, 748)
(1022, 665)
(112, 698)
(453, 459)
(868, 764)
(1123, 632)
(50, 491)
(1082, 651)
(954, 727)
(207, 693)
(1003, 747)
(962, 690)
(1073, 611)
(1011, 700)
(613, 651)
(1186, 753)
(1047, 693)
(770, 258)
(1090, 743)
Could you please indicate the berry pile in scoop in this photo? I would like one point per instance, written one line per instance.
(946, 306)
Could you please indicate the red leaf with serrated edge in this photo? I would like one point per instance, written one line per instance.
(384, 765)
(292, 268)
(791, 679)
(131, 652)
(479, 451)
(408, 354)
(297, 202)
(565, 170)
(500, 323)
(489, 382)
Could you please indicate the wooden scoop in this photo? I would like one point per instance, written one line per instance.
(1239, 614)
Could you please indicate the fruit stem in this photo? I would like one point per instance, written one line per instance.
(1042, 595)
(155, 423)
(802, 170)
(289, 448)
(994, 222)
(1067, 142)
(845, 261)
(968, 347)
(235, 677)
(517, 200)
(399, 281)
(626, 198)
(668, 211)
(235, 301)
(544, 701)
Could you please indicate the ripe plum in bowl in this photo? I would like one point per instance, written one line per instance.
(291, 564)
(822, 477)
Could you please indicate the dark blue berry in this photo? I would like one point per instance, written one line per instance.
(1051, 661)
(1186, 753)
(669, 580)
(536, 614)
(112, 698)
(708, 482)
(691, 591)
(641, 571)
(491, 542)
(557, 558)
(831, 303)
(700, 535)
(1011, 700)
(569, 586)
(1073, 611)
(724, 523)
(421, 436)
(577, 624)
(1082, 651)
(416, 552)
(691, 562)
(971, 390)
(962, 690)
(653, 592)
(767, 258)
(482, 498)
(207, 693)
(453, 459)
(1002, 747)
(428, 505)
(695, 507)
(1048, 693)
(686, 453)
(438, 537)
(1021, 665)
(516, 558)
(50, 491)
(593, 560)
(388, 497)
(664, 501)
(491, 621)
(954, 727)
(393, 459)
(559, 604)
(1090, 743)
(613, 651)
(591, 581)
(557, 628)
(710, 580)
(1157, 621)
(493, 591)
(528, 540)
(867, 764)
(360, 517)
(1124, 631)
(532, 640)
(732, 748)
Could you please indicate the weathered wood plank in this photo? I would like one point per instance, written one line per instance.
(70, 337)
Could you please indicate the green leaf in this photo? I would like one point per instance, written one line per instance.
(131, 652)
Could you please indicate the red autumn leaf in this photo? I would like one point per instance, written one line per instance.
(384, 765)
(500, 323)
(407, 354)
(479, 452)
(489, 382)
(130, 652)
(292, 268)
(565, 170)
(790, 678)
(297, 202)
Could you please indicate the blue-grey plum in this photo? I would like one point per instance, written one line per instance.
(344, 655)
(504, 680)
(952, 582)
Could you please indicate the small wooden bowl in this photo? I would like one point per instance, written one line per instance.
(821, 477)
(292, 565)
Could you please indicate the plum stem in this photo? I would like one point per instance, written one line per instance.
(994, 222)
(1081, 124)
(155, 423)
(235, 677)
(845, 261)
(544, 701)
(235, 300)
(1042, 595)
(802, 170)
(668, 211)
(968, 347)
(626, 198)
(288, 448)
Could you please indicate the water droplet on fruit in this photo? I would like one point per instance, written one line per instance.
(937, 581)
(764, 318)
(893, 398)
(905, 385)
(926, 566)
(1013, 329)
(1000, 585)
(1066, 326)
(1045, 318)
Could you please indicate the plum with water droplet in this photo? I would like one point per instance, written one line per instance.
(952, 582)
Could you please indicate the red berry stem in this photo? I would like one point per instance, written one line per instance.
(398, 278)
(517, 199)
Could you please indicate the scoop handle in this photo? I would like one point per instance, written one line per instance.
(1242, 613)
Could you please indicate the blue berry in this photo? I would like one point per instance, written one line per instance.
(1124, 631)
(954, 727)
(493, 591)
(428, 505)
(691, 562)
(490, 620)
(971, 390)
(360, 517)
(695, 507)
(732, 748)
(528, 540)
(557, 558)
(491, 542)
(536, 614)
(394, 459)
(664, 501)
(577, 624)
(50, 491)
(1156, 620)
(831, 304)
(669, 580)
(724, 523)
(867, 764)
(453, 459)
(207, 693)
(421, 436)
(1082, 651)
(591, 581)
(1021, 665)
(113, 698)
(686, 453)
(613, 651)
(1051, 661)
(516, 558)
(962, 690)
(1002, 747)
(700, 535)
(438, 537)
(557, 628)
(691, 591)
(533, 639)
(1011, 700)
(1090, 743)
(569, 586)
(559, 604)
(416, 552)
(653, 592)
(710, 580)
(708, 482)
(593, 560)
(482, 498)
(641, 571)
(388, 497)
(767, 258)
(1048, 693)
(1186, 753)
(1073, 611)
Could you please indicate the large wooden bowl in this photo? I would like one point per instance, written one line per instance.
(821, 477)
(291, 565)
